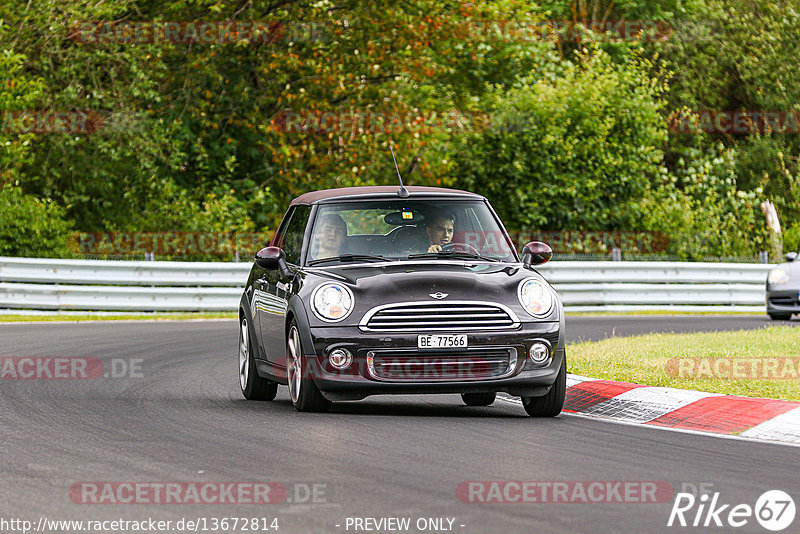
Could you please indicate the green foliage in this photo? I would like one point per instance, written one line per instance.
(18, 91)
(577, 152)
(204, 116)
(791, 238)
(168, 207)
(31, 227)
(735, 54)
(702, 211)
(741, 55)
(600, 10)
(192, 137)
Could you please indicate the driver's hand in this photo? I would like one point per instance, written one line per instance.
(435, 248)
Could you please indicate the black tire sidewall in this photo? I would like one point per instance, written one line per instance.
(309, 398)
(257, 388)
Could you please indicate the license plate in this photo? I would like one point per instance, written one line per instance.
(442, 341)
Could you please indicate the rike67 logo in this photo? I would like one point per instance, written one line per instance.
(774, 510)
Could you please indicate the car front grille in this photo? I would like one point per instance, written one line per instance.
(428, 317)
(468, 365)
(785, 300)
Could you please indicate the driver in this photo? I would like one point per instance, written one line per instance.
(440, 231)
(330, 235)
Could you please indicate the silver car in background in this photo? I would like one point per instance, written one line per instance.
(783, 289)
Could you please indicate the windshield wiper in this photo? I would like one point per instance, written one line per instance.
(443, 254)
(348, 257)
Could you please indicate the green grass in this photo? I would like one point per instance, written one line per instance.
(646, 360)
(12, 318)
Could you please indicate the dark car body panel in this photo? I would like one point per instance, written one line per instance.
(272, 298)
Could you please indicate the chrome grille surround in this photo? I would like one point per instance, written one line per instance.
(425, 317)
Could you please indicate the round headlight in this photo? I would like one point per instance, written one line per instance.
(777, 276)
(332, 302)
(535, 297)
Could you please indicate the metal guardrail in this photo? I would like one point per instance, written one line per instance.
(123, 273)
(638, 286)
(49, 284)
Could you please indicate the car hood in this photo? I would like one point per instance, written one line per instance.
(385, 283)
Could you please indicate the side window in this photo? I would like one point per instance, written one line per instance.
(291, 240)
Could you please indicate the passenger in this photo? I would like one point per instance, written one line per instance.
(331, 233)
(440, 231)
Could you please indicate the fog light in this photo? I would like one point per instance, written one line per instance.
(340, 358)
(539, 352)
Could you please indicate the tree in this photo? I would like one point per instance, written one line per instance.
(577, 152)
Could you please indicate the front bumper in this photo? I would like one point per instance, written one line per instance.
(786, 300)
(521, 378)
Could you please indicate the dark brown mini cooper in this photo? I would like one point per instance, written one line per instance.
(379, 290)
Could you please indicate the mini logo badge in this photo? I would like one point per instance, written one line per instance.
(439, 295)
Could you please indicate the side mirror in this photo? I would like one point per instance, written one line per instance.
(790, 257)
(536, 253)
(270, 258)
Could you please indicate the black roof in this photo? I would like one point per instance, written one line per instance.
(379, 191)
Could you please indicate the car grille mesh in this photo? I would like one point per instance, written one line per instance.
(439, 317)
(441, 366)
(786, 300)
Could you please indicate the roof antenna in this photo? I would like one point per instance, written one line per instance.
(403, 192)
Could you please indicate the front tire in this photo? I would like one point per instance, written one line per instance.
(780, 316)
(303, 392)
(478, 399)
(549, 405)
(253, 386)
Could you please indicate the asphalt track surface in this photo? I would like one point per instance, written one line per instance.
(184, 419)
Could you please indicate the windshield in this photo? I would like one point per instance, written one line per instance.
(389, 230)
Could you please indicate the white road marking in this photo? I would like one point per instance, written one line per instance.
(644, 404)
(785, 427)
(772, 440)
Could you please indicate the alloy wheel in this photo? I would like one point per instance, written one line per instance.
(244, 355)
(294, 364)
